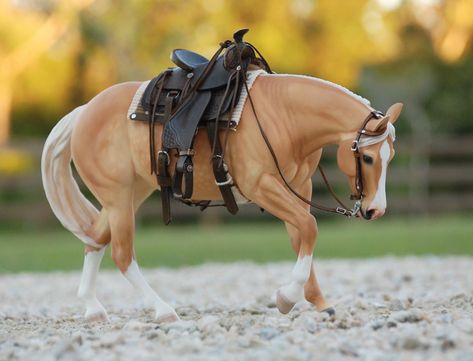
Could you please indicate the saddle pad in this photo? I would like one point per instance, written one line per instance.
(136, 108)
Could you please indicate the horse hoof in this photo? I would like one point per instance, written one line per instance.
(97, 317)
(168, 318)
(330, 311)
(283, 304)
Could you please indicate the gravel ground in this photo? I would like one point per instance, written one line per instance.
(387, 309)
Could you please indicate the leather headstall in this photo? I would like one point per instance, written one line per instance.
(375, 114)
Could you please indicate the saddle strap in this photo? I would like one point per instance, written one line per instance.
(164, 181)
(163, 176)
(184, 170)
(222, 178)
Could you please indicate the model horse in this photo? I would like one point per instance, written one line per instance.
(300, 115)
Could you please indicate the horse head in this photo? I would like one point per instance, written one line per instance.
(375, 153)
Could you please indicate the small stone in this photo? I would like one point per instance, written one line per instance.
(465, 325)
(137, 325)
(410, 316)
(109, 340)
(396, 305)
(268, 333)
(348, 349)
(411, 343)
(207, 323)
(447, 344)
(444, 317)
(180, 326)
(407, 278)
(311, 325)
(458, 297)
(377, 324)
(254, 310)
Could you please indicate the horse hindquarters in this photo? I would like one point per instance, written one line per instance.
(107, 162)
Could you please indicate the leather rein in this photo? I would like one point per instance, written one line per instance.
(358, 196)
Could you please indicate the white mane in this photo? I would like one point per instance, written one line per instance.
(338, 86)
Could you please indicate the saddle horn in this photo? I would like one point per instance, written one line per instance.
(238, 36)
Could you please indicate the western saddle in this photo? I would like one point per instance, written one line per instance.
(198, 93)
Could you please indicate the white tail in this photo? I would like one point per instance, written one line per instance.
(69, 205)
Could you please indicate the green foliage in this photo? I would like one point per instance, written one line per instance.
(179, 245)
(418, 78)
(130, 40)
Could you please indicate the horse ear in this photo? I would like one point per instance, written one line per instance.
(383, 123)
(379, 125)
(394, 111)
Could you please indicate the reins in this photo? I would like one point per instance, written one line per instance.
(342, 209)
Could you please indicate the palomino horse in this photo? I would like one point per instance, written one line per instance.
(300, 115)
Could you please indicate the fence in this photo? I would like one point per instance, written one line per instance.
(437, 177)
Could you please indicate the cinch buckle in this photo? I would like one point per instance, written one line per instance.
(227, 182)
(168, 160)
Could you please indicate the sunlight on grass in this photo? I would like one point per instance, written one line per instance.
(179, 245)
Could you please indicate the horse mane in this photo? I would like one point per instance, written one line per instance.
(364, 141)
(338, 86)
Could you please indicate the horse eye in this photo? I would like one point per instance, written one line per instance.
(367, 159)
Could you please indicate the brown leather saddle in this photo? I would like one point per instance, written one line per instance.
(198, 93)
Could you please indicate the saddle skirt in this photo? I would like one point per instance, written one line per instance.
(137, 112)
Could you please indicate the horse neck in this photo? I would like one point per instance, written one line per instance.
(320, 113)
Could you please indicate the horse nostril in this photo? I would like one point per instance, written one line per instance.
(369, 214)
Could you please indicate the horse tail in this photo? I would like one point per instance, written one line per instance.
(69, 205)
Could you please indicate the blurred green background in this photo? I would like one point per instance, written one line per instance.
(56, 55)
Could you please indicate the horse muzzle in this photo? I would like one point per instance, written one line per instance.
(372, 213)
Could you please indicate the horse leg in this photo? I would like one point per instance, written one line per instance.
(100, 232)
(312, 291)
(273, 197)
(121, 219)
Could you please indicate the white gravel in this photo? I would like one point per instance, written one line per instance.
(387, 309)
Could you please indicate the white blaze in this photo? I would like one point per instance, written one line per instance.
(379, 200)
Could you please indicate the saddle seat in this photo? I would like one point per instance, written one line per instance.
(188, 60)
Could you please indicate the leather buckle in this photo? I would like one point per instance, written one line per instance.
(354, 146)
(166, 154)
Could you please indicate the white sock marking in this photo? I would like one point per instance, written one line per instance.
(87, 287)
(150, 298)
(294, 291)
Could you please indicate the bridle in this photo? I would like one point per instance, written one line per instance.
(375, 114)
(358, 195)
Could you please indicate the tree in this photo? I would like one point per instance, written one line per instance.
(45, 32)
